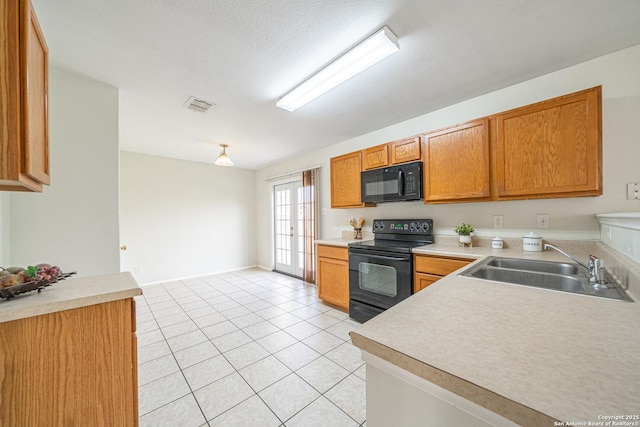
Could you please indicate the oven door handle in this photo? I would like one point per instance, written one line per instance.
(385, 257)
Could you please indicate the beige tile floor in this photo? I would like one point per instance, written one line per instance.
(248, 348)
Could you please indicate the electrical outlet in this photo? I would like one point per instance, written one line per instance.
(323, 211)
(498, 221)
(137, 271)
(542, 220)
(633, 191)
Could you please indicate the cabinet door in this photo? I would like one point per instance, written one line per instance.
(345, 181)
(34, 57)
(24, 144)
(333, 281)
(73, 367)
(405, 150)
(422, 280)
(552, 148)
(457, 163)
(376, 157)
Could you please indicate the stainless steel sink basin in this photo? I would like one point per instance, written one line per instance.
(537, 266)
(539, 280)
(556, 276)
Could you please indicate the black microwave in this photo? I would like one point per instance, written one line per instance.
(392, 184)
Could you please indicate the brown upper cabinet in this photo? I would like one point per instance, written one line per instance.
(24, 127)
(552, 148)
(375, 157)
(392, 153)
(345, 180)
(456, 163)
(405, 150)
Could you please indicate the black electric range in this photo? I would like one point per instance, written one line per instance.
(381, 270)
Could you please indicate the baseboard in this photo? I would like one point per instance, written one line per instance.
(213, 273)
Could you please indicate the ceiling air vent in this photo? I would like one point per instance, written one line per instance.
(198, 105)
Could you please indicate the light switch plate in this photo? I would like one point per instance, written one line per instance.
(498, 221)
(542, 220)
(633, 191)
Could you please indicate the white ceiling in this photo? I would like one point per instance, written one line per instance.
(243, 55)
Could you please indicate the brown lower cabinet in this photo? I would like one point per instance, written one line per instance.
(431, 268)
(333, 275)
(75, 367)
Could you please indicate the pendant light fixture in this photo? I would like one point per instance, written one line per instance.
(223, 159)
(372, 50)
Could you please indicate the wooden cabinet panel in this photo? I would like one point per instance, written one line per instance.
(74, 367)
(334, 252)
(35, 88)
(438, 265)
(376, 157)
(552, 148)
(457, 163)
(24, 143)
(429, 269)
(422, 280)
(405, 150)
(333, 275)
(345, 180)
(392, 153)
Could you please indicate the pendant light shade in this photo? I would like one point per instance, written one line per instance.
(223, 159)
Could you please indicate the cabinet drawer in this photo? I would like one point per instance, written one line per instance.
(334, 252)
(438, 265)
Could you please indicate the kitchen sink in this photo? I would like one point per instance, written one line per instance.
(539, 280)
(537, 266)
(556, 276)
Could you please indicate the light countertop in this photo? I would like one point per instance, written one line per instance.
(70, 293)
(531, 355)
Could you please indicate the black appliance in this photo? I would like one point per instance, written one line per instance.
(381, 270)
(392, 184)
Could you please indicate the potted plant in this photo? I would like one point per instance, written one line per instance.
(464, 232)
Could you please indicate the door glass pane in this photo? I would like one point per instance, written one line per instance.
(283, 226)
(300, 226)
(379, 279)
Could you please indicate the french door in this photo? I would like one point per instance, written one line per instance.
(288, 228)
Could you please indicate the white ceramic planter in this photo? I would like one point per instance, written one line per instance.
(464, 241)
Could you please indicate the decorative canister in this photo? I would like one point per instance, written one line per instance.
(497, 243)
(531, 242)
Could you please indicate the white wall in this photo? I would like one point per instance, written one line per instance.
(181, 218)
(569, 218)
(74, 222)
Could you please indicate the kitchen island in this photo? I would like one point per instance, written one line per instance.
(69, 354)
(504, 353)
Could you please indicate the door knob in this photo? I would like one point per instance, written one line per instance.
(123, 247)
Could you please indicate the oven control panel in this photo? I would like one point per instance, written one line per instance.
(403, 226)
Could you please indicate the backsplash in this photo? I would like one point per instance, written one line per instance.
(621, 231)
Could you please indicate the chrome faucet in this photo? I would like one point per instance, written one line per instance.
(595, 267)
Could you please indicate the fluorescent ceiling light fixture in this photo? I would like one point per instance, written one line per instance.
(372, 50)
(223, 159)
